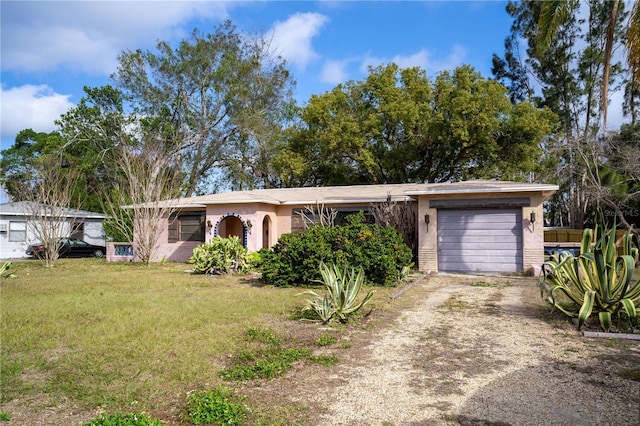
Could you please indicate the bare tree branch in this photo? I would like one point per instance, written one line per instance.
(146, 191)
(47, 205)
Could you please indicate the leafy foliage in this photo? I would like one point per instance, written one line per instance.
(220, 256)
(212, 98)
(295, 260)
(216, 405)
(398, 126)
(132, 419)
(342, 287)
(598, 280)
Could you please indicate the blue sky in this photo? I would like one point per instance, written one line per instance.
(51, 49)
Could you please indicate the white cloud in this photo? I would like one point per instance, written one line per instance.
(69, 47)
(292, 38)
(418, 59)
(334, 72)
(422, 58)
(87, 36)
(31, 107)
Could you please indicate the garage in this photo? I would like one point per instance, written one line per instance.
(480, 240)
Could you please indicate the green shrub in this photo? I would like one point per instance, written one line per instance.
(295, 260)
(215, 406)
(598, 281)
(220, 256)
(131, 419)
(4, 416)
(254, 259)
(342, 288)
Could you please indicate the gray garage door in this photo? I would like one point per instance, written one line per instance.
(480, 240)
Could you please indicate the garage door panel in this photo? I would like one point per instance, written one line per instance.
(466, 267)
(480, 240)
(474, 234)
(478, 246)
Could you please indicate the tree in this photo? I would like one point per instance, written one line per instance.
(397, 126)
(132, 161)
(570, 59)
(210, 96)
(19, 162)
(607, 16)
(48, 195)
(144, 197)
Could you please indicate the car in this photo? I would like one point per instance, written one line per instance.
(70, 247)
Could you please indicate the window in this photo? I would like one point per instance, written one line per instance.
(18, 231)
(77, 231)
(187, 226)
(341, 213)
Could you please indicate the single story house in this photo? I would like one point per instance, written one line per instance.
(17, 228)
(472, 226)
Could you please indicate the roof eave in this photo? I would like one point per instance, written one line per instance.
(234, 201)
(545, 189)
(350, 200)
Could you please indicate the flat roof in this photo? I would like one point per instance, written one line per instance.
(26, 208)
(359, 194)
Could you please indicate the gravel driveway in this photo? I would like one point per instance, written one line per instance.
(476, 350)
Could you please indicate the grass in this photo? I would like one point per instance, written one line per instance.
(110, 335)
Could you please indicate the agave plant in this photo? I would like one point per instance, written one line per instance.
(4, 271)
(599, 280)
(340, 299)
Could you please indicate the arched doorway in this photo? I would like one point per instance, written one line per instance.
(232, 225)
(266, 225)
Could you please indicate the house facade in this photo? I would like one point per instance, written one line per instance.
(17, 228)
(474, 226)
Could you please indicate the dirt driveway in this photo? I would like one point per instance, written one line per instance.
(471, 350)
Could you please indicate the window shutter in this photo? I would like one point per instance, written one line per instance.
(173, 229)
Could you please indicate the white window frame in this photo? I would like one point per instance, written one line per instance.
(15, 228)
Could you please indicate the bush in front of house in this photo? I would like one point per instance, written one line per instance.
(295, 260)
(220, 256)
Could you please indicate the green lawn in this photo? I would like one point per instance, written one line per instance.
(117, 335)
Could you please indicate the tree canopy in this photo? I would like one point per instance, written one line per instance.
(568, 64)
(207, 97)
(398, 126)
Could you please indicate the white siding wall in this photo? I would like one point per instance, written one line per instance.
(94, 234)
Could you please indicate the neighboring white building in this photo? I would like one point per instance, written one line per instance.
(16, 233)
